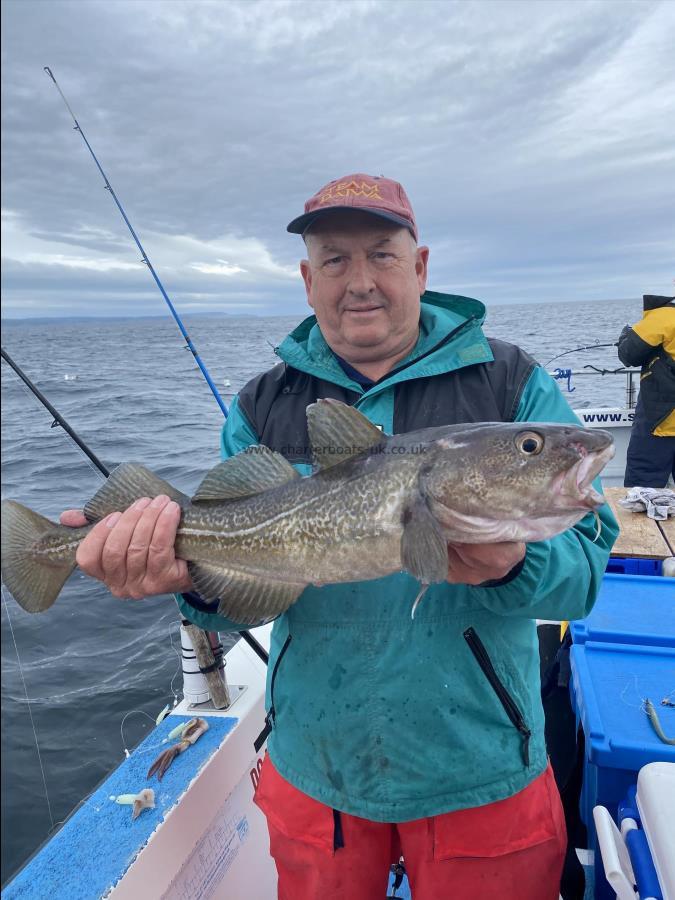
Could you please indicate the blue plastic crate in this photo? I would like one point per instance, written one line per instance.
(631, 609)
(609, 682)
(627, 566)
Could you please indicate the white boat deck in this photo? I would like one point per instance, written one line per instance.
(204, 839)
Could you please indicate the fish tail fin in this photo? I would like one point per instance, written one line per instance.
(32, 571)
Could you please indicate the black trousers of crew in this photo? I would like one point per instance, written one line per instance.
(650, 460)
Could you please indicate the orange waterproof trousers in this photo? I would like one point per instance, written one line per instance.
(509, 850)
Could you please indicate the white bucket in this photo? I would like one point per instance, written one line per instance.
(195, 686)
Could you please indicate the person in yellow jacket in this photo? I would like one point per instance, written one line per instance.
(651, 344)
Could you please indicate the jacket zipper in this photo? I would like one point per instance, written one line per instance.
(510, 708)
(271, 715)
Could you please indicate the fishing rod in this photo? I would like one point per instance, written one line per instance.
(577, 349)
(250, 640)
(58, 418)
(144, 256)
(258, 649)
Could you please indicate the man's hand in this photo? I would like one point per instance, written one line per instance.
(476, 563)
(132, 552)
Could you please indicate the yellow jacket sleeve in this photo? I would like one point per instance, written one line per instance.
(656, 327)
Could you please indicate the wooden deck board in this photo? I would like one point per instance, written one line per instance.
(640, 536)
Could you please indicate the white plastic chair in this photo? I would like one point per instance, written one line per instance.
(615, 858)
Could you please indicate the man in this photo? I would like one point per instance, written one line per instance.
(390, 736)
(650, 460)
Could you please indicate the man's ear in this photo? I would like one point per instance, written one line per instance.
(421, 268)
(306, 272)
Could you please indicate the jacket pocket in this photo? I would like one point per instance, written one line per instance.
(271, 714)
(528, 818)
(508, 703)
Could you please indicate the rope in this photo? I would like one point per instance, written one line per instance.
(618, 371)
(561, 374)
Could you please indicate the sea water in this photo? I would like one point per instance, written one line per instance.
(89, 676)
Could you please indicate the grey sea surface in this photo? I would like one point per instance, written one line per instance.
(88, 677)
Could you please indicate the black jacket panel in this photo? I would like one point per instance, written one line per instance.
(484, 392)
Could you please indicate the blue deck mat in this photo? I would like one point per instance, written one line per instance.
(100, 841)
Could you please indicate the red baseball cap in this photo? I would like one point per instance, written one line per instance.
(369, 193)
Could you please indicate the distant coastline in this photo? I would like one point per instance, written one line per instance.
(216, 314)
(37, 320)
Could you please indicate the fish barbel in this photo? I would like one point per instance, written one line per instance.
(256, 533)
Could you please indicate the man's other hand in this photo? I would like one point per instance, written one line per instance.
(132, 552)
(476, 563)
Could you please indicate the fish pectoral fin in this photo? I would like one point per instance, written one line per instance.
(244, 598)
(126, 484)
(337, 432)
(424, 550)
(252, 471)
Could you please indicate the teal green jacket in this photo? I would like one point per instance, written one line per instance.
(393, 719)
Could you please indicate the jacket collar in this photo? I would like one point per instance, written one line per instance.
(450, 337)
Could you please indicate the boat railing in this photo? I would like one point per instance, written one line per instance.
(562, 374)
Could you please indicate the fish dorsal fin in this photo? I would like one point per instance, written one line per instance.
(337, 432)
(126, 484)
(252, 471)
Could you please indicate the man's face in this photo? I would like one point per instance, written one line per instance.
(364, 278)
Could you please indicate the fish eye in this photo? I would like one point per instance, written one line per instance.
(530, 443)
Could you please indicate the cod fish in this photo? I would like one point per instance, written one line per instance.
(256, 533)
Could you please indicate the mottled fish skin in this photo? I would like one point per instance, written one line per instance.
(344, 524)
(255, 534)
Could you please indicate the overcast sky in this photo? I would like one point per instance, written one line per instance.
(536, 141)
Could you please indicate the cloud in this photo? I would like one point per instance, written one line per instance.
(222, 267)
(194, 269)
(533, 140)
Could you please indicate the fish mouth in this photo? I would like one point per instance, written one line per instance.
(576, 483)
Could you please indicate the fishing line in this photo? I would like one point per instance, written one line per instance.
(634, 685)
(30, 712)
(178, 669)
(144, 256)
(176, 699)
(126, 716)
